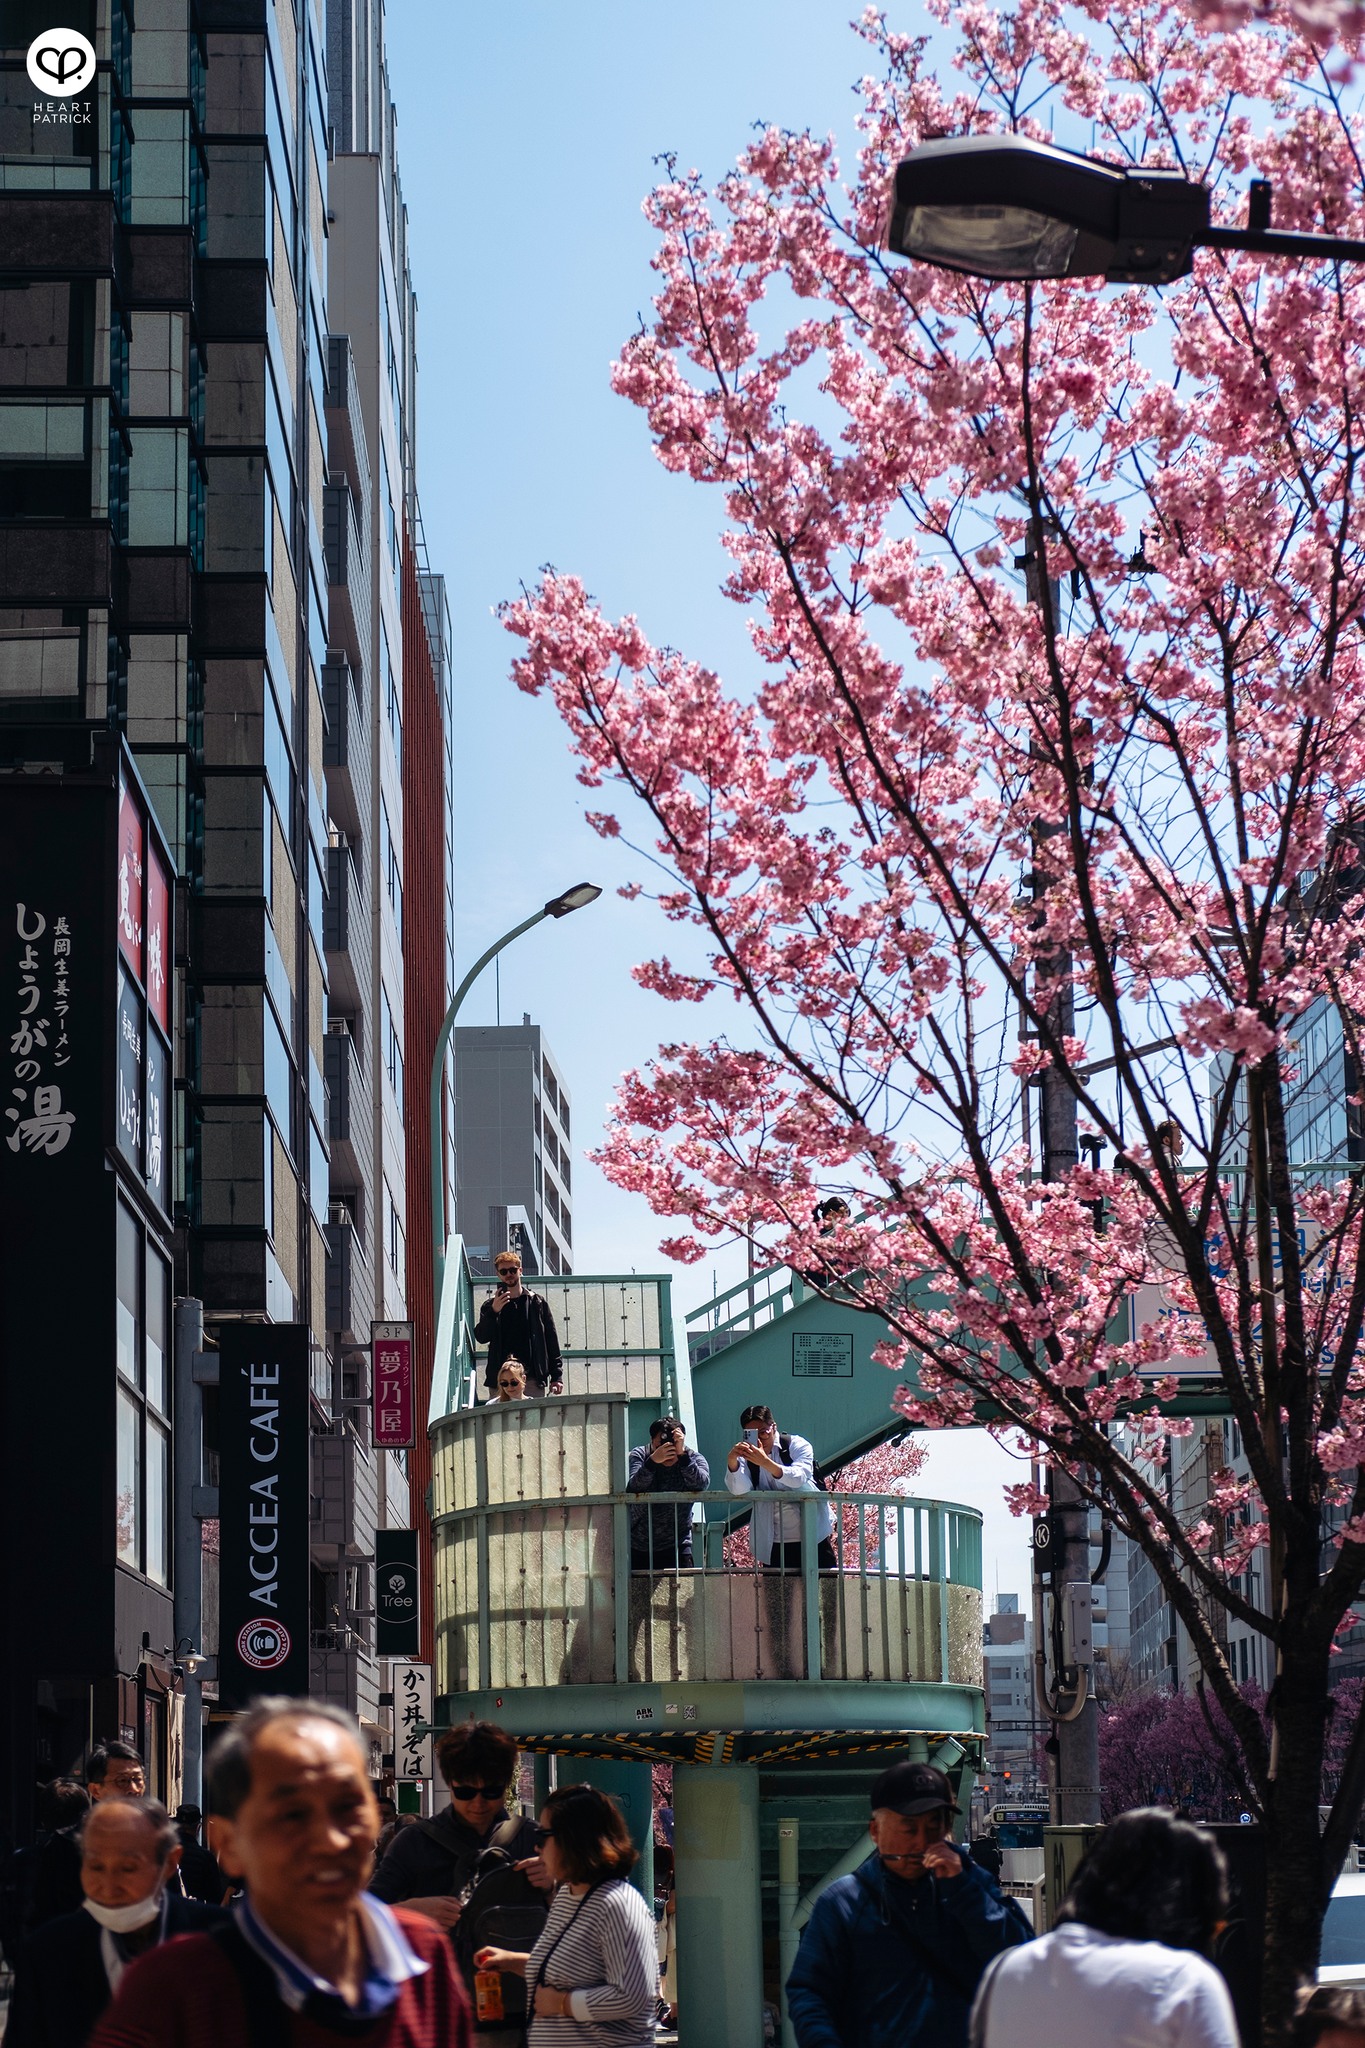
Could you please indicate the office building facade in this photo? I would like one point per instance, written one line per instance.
(205, 464)
(513, 1147)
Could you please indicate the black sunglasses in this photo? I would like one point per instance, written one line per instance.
(478, 1791)
(544, 1835)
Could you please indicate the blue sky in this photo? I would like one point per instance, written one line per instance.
(526, 137)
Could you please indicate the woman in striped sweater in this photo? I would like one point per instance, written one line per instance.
(592, 1979)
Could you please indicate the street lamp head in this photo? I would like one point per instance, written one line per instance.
(1004, 206)
(577, 898)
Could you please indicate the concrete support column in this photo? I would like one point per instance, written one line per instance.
(540, 1782)
(788, 1899)
(631, 1786)
(720, 1920)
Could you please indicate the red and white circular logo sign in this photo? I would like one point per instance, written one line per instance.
(263, 1645)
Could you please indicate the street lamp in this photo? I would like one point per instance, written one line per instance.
(1004, 206)
(577, 898)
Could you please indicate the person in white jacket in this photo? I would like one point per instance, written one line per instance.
(767, 1462)
(1127, 1963)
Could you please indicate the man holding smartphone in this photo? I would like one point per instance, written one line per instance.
(767, 1462)
(661, 1537)
(514, 1323)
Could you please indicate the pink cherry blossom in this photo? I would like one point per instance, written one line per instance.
(957, 828)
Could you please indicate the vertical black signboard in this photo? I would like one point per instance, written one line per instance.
(56, 1234)
(397, 1619)
(263, 1493)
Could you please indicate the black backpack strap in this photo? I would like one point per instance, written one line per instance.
(505, 1833)
(268, 2018)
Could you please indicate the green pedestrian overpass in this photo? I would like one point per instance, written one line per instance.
(775, 1695)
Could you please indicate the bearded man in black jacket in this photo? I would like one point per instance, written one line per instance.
(515, 1323)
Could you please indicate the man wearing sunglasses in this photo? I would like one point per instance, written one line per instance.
(514, 1323)
(431, 1868)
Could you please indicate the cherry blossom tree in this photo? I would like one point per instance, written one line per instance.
(1163, 1749)
(1323, 22)
(1049, 760)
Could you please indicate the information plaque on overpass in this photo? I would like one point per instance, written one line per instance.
(822, 1355)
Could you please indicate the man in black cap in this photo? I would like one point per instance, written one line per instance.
(891, 1956)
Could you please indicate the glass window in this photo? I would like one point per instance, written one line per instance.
(129, 1256)
(157, 362)
(279, 1079)
(318, 1181)
(278, 765)
(158, 487)
(160, 166)
(129, 1482)
(42, 654)
(158, 1504)
(158, 1319)
(51, 432)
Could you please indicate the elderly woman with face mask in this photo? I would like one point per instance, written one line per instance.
(130, 1853)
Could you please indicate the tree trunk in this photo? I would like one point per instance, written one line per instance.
(1294, 1899)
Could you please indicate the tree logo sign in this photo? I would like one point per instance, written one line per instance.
(61, 63)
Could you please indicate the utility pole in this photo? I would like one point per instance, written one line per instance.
(194, 1370)
(1076, 1797)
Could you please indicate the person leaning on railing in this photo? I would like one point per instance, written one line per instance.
(661, 1537)
(592, 1979)
(767, 1462)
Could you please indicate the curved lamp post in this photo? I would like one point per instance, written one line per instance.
(1004, 206)
(576, 898)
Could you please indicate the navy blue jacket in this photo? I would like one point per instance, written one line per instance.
(60, 1987)
(886, 1964)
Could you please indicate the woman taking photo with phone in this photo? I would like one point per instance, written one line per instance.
(592, 1979)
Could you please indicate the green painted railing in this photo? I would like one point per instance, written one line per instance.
(548, 1572)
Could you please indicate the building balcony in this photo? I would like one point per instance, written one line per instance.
(346, 1676)
(348, 575)
(341, 1069)
(349, 1112)
(538, 1606)
(342, 886)
(346, 749)
(347, 450)
(350, 1285)
(344, 1496)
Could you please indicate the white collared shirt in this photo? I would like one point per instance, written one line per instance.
(777, 1522)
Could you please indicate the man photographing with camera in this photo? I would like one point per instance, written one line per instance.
(514, 1323)
(661, 1537)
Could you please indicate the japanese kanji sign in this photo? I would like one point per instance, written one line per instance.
(412, 1751)
(58, 840)
(394, 1407)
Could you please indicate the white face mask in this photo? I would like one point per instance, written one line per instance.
(126, 1919)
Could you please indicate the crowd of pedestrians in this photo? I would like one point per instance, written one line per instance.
(317, 1918)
